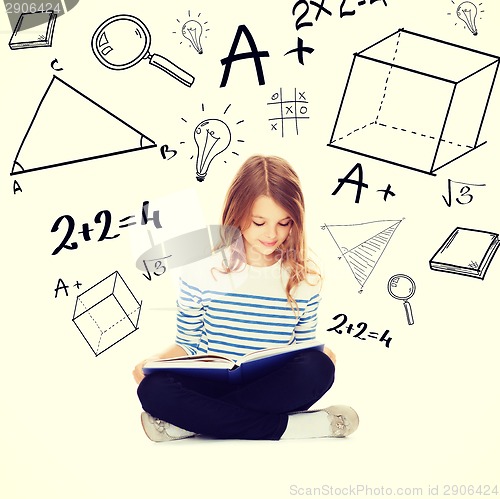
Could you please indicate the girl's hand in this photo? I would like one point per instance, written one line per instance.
(172, 351)
(330, 354)
(138, 373)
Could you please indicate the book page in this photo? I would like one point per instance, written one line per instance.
(194, 362)
(269, 352)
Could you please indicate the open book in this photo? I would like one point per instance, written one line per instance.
(250, 366)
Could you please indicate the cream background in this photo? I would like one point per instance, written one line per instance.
(429, 405)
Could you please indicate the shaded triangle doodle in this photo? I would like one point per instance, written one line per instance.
(69, 127)
(362, 245)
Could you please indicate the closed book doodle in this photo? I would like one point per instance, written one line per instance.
(467, 252)
(33, 29)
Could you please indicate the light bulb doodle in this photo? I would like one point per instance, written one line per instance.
(191, 31)
(212, 137)
(467, 12)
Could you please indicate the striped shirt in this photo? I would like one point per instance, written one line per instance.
(240, 312)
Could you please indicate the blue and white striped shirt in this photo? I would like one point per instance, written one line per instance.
(240, 312)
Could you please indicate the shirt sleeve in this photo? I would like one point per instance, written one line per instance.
(190, 313)
(306, 326)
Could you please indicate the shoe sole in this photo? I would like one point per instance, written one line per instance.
(147, 427)
(349, 413)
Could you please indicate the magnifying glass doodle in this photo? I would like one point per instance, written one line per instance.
(402, 287)
(123, 41)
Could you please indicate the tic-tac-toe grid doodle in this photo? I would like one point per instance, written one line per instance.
(290, 110)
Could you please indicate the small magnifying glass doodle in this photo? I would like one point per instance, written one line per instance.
(402, 287)
(123, 41)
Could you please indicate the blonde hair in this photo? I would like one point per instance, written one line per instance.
(274, 177)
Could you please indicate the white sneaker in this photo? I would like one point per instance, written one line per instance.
(344, 420)
(161, 431)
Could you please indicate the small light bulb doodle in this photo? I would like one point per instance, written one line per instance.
(191, 31)
(212, 137)
(467, 12)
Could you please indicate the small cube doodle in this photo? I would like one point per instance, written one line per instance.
(106, 313)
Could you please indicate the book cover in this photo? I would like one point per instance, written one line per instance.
(467, 252)
(33, 29)
(218, 367)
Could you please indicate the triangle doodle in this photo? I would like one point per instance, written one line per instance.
(68, 127)
(362, 245)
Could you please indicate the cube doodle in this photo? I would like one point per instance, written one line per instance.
(425, 95)
(106, 313)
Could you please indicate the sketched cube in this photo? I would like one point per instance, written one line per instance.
(414, 101)
(106, 313)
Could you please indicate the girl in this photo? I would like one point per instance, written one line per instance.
(257, 291)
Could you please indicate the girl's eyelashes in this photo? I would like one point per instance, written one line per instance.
(285, 224)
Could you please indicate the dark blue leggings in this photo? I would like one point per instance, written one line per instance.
(256, 410)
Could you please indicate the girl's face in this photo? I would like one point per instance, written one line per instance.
(269, 226)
